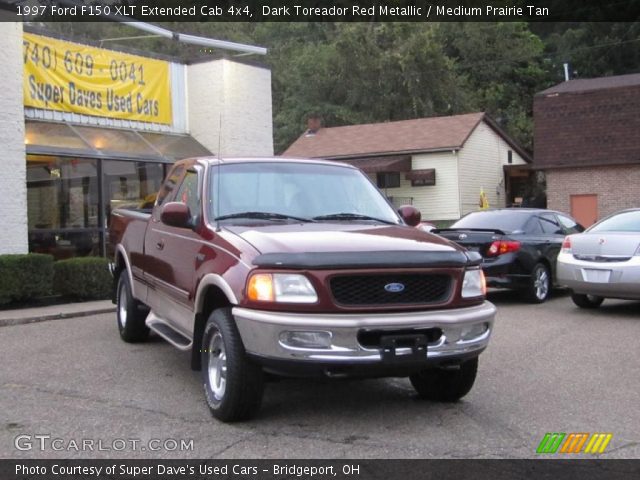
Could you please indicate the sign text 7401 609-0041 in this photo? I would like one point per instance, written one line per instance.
(71, 77)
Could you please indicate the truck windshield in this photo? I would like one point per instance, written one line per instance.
(280, 191)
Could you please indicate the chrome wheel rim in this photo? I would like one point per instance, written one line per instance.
(122, 305)
(217, 366)
(541, 283)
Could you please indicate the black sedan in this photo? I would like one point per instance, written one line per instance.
(519, 246)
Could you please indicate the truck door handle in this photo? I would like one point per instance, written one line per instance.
(160, 245)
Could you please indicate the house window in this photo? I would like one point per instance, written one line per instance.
(388, 179)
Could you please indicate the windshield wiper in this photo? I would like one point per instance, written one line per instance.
(352, 216)
(263, 216)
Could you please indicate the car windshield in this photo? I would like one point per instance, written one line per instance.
(280, 191)
(507, 221)
(621, 222)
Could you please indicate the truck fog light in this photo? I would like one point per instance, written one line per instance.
(306, 339)
(470, 332)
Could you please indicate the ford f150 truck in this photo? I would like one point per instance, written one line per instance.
(275, 266)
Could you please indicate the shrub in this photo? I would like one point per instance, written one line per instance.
(24, 277)
(86, 278)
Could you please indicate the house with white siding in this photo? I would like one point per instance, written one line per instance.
(438, 164)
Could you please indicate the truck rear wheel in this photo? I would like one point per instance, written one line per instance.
(130, 313)
(445, 385)
(233, 385)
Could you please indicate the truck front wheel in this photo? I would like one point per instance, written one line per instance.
(130, 313)
(445, 385)
(233, 385)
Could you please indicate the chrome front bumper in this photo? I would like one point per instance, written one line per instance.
(465, 331)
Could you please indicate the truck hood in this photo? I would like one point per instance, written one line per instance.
(312, 245)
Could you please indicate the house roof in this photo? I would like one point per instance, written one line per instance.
(405, 136)
(589, 122)
(600, 83)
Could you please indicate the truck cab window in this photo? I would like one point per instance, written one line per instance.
(188, 192)
(169, 185)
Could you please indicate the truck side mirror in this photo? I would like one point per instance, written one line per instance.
(410, 214)
(176, 214)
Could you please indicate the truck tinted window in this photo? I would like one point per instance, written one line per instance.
(188, 192)
(169, 185)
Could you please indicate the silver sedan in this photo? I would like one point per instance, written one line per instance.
(604, 261)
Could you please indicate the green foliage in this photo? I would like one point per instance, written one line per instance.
(24, 277)
(349, 73)
(86, 278)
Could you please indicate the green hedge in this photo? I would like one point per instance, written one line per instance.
(86, 278)
(23, 277)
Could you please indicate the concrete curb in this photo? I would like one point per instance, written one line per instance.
(10, 322)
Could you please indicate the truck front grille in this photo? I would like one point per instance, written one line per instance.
(391, 289)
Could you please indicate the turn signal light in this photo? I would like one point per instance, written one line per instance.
(261, 288)
(503, 246)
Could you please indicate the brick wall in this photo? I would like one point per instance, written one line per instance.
(617, 187)
(595, 127)
(13, 183)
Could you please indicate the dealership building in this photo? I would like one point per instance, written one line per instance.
(85, 129)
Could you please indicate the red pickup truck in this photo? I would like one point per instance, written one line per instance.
(296, 267)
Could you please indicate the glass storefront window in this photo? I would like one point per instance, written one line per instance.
(63, 208)
(65, 199)
(131, 184)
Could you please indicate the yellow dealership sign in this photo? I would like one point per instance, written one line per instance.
(71, 77)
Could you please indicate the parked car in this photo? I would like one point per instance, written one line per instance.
(519, 246)
(604, 261)
(296, 267)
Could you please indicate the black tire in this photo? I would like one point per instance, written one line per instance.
(539, 287)
(445, 385)
(586, 301)
(130, 313)
(233, 385)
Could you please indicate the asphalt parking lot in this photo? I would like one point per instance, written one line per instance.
(549, 368)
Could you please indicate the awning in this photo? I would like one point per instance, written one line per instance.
(427, 176)
(64, 139)
(390, 163)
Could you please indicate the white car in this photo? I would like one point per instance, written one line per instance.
(603, 261)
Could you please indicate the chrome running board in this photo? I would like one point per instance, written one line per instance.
(166, 331)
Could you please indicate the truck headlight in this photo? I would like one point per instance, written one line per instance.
(281, 287)
(474, 284)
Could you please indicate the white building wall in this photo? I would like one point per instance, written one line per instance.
(13, 180)
(236, 95)
(481, 160)
(437, 202)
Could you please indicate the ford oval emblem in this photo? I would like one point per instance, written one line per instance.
(394, 287)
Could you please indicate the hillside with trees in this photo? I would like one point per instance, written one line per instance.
(351, 73)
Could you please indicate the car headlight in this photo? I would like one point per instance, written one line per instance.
(281, 287)
(474, 284)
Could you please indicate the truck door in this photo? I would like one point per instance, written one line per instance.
(171, 254)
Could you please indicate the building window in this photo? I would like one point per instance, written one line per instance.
(388, 179)
(63, 206)
(69, 204)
